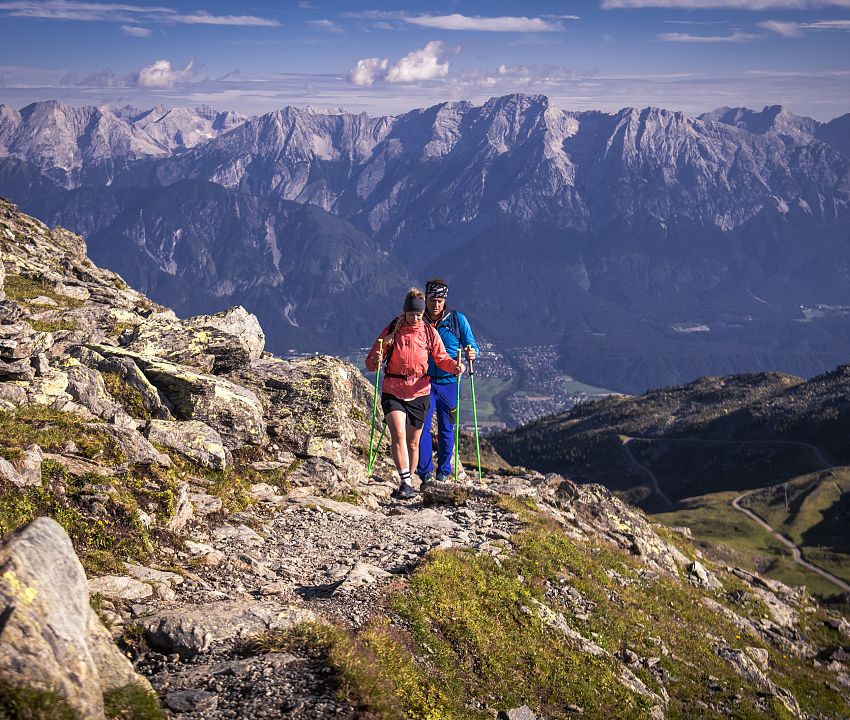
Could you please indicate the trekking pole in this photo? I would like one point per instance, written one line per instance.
(474, 410)
(457, 421)
(375, 405)
(374, 457)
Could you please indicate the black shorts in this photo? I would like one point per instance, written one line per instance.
(415, 410)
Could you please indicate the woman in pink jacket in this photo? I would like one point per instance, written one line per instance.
(406, 390)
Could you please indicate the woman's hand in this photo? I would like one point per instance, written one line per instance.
(459, 369)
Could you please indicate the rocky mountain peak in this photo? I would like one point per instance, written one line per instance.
(771, 119)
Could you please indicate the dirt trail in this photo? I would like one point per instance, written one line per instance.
(796, 552)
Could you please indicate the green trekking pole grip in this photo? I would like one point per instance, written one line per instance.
(457, 421)
(375, 403)
(474, 409)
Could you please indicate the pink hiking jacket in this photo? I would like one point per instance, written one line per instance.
(412, 346)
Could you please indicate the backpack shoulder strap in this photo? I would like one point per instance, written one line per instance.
(454, 323)
(389, 351)
(432, 333)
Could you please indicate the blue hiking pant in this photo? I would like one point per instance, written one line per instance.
(443, 401)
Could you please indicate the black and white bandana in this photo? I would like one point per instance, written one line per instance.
(436, 290)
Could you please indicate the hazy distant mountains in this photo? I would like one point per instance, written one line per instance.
(650, 246)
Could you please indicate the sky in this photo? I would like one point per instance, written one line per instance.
(391, 57)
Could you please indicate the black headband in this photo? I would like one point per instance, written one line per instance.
(436, 290)
(414, 304)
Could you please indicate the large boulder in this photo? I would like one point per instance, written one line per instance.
(234, 411)
(310, 404)
(215, 343)
(51, 637)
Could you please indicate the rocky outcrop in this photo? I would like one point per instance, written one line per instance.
(193, 439)
(214, 343)
(51, 638)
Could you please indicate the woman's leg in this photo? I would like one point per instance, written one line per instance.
(414, 435)
(396, 421)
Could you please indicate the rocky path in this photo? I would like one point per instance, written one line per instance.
(308, 557)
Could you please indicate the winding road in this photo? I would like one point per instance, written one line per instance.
(796, 552)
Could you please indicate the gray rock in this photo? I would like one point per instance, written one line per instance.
(341, 508)
(119, 587)
(361, 574)
(183, 511)
(146, 574)
(205, 504)
(86, 387)
(17, 370)
(136, 447)
(748, 668)
(238, 535)
(191, 701)
(194, 629)
(429, 519)
(234, 411)
(214, 343)
(520, 713)
(51, 637)
(193, 439)
(30, 465)
(699, 575)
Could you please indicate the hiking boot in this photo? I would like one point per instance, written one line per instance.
(443, 478)
(404, 492)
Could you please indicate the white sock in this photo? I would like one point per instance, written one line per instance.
(405, 476)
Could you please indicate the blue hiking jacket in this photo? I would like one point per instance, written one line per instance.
(450, 340)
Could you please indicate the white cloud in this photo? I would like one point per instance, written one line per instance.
(457, 21)
(827, 25)
(325, 24)
(368, 70)
(160, 74)
(204, 18)
(136, 31)
(728, 4)
(786, 29)
(735, 37)
(423, 64)
(119, 12)
(512, 70)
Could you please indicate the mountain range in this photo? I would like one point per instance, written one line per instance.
(648, 246)
(714, 434)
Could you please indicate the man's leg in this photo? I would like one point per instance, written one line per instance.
(445, 401)
(425, 466)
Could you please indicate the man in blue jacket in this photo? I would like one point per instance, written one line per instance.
(455, 332)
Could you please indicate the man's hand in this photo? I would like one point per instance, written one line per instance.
(470, 353)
